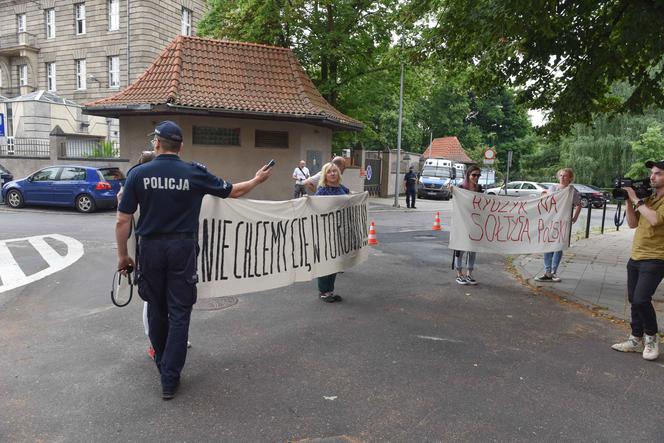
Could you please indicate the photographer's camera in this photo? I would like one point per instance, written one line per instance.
(641, 187)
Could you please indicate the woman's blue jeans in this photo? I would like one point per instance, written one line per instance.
(551, 261)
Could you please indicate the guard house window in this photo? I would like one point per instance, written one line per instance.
(216, 136)
(272, 139)
(79, 9)
(114, 72)
(113, 15)
(23, 75)
(20, 23)
(50, 23)
(50, 76)
(80, 74)
(186, 21)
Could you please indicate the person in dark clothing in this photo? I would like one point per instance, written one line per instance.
(410, 183)
(169, 193)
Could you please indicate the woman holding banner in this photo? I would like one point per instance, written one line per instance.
(469, 183)
(552, 259)
(330, 184)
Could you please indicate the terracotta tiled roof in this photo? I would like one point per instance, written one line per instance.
(232, 78)
(449, 148)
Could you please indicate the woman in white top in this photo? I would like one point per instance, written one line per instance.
(552, 259)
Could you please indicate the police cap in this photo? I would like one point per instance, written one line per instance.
(168, 130)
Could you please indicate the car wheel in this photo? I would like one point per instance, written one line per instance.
(15, 199)
(85, 203)
(598, 205)
(491, 193)
(584, 202)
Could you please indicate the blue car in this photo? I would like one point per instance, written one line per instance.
(83, 187)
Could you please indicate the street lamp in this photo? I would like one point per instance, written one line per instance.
(396, 179)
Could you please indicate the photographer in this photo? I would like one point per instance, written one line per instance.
(645, 267)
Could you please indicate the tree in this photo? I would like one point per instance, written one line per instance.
(564, 56)
(650, 146)
(336, 41)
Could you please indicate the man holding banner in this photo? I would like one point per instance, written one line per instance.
(169, 193)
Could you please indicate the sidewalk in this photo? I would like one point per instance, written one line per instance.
(593, 273)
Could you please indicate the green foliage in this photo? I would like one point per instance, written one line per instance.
(337, 41)
(472, 69)
(564, 56)
(650, 146)
(105, 149)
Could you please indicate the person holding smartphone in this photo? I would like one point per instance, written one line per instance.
(169, 192)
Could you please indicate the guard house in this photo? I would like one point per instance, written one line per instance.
(239, 105)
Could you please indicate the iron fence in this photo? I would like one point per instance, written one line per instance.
(90, 148)
(25, 147)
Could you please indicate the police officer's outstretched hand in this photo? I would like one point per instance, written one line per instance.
(263, 174)
(239, 189)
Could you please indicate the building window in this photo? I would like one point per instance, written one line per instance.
(272, 139)
(114, 72)
(80, 18)
(20, 23)
(50, 76)
(216, 136)
(113, 15)
(23, 75)
(80, 74)
(186, 21)
(50, 23)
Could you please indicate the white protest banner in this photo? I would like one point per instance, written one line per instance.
(252, 245)
(508, 225)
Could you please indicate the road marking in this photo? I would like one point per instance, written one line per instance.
(426, 337)
(10, 272)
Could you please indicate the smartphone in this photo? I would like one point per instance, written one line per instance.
(270, 164)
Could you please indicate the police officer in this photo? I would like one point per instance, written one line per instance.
(169, 192)
(410, 183)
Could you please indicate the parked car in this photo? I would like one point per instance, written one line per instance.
(519, 189)
(5, 176)
(83, 187)
(590, 194)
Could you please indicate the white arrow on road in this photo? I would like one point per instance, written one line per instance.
(12, 275)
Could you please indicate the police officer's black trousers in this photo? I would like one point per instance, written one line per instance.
(411, 193)
(167, 281)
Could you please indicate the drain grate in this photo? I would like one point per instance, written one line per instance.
(215, 304)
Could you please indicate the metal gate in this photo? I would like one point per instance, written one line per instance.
(314, 161)
(372, 183)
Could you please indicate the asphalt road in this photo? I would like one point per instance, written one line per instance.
(408, 356)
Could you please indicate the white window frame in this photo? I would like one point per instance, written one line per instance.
(21, 23)
(51, 75)
(79, 21)
(185, 21)
(114, 71)
(50, 23)
(81, 74)
(23, 75)
(113, 15)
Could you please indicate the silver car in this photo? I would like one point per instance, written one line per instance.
(520, 189)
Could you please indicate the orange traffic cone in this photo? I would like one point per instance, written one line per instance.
(436, 222)
(372, 235)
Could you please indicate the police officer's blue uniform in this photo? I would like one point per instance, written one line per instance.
(169, 192)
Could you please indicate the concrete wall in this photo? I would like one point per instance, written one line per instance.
(234, 163)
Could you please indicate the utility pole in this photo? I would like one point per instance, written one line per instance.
(396, 178)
